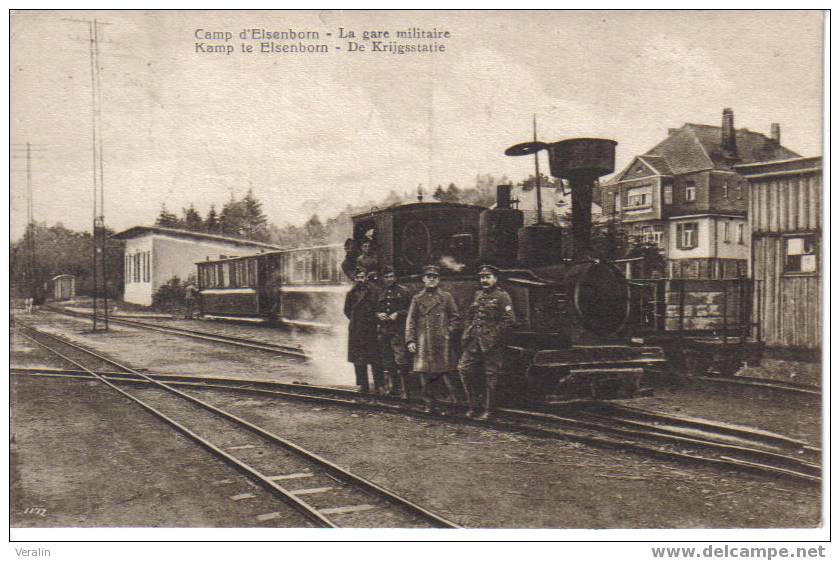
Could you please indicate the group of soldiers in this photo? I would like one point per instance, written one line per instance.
(399, 336)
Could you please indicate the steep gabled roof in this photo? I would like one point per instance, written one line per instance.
(658, 163)
(695, 147)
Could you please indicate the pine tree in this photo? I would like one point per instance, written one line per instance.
(167, 219)
(192, 219)
(255, 220)
(440, 194)
(453, 194)
(211, 225)
(232, 219)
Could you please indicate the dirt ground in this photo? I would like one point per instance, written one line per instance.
(144, 474)
(84, 456)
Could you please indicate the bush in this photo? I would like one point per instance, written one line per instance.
(170, 296)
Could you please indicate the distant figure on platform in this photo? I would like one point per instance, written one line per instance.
(362, 345)
(432, 319)
(28, 303)
(190, 297)
(488, 322)
(391, 311)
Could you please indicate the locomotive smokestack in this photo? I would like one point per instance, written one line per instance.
(503, 196)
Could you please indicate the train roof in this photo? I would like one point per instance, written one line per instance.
(276, 252)
(412, 206)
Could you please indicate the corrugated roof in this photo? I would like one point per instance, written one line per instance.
(136, 231)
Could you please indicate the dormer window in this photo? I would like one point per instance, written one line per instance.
(690, 191)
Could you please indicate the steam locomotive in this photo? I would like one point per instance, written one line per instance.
(571, 335)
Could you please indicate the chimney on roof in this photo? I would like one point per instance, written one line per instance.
(776, 133)
(727, 134)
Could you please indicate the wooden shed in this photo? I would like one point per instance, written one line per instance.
(785, 212)
(64, 287)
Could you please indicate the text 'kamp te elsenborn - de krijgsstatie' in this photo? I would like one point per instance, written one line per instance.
(341, 40)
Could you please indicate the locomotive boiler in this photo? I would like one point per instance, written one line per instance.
(570, 338)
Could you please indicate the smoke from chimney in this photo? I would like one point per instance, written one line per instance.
(776, 133)
(727, 139)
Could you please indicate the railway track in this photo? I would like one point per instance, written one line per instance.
(294, 351)
(746, 381)
(326, 494)
(598, 424)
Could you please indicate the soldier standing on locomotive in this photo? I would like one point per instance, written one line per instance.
(488, 321)
(362, 348)
(368, 259)
(432, 318)
(391, 312)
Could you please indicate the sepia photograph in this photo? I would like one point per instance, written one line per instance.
(431, 271)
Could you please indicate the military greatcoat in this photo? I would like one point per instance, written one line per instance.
(432, 318)
(360, 309)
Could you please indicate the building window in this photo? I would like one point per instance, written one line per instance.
(726, 232)
(639, 197)
(725, 189)
(668, 194)
(690, 191)
(617, 201)
(740, 191)
(801, 255)
(687, 235)
(741, 234)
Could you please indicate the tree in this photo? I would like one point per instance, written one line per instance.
(192, 219)
(59, 251)
(232, 218)
(167, 219)
(439, 194)
(211, 224)
(453, 194)
(256, 222)
(315, 232)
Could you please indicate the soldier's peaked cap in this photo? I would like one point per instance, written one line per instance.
(431, 269)
(387, 269)
(485, 269)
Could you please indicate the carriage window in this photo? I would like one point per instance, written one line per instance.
(324, 265)
(801, 255)
(252, 265)
(299, 267)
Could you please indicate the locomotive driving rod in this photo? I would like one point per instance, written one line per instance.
(580, 161)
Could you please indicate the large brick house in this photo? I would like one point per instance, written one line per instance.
(685, 196)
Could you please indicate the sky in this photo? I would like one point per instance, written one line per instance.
(312, 133)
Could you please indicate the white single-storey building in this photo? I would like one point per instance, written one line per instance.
(154, 255)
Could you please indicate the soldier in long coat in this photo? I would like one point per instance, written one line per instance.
(362, 345)
(432, 319)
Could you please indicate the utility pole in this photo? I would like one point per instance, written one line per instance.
(30, 263)
(537, 176)
(100, 236)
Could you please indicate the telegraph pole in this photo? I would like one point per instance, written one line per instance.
(100, 236)
(30, 262)
(537, 176)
